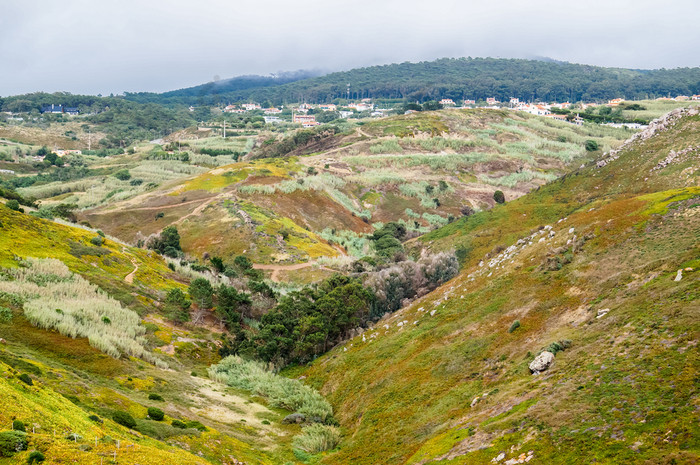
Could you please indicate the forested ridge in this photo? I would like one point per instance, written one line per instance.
(455, 78)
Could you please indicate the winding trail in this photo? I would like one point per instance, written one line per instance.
(277, 268)
(130, 277)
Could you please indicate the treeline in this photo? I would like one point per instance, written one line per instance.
(462, 78)
(124, 121)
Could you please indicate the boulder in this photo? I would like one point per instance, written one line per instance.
(294, 418)
(679, 275)
(541, 362)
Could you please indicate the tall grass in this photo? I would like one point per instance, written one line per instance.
(449, 161)
(279, 391)
(55, 298)
(376, 177)
(386, 146)
(512, 179)
(355, 244)
(317, 438)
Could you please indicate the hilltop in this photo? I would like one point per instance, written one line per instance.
(598, 267)
(457, 78)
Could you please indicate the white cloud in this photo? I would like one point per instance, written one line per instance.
(102, 47)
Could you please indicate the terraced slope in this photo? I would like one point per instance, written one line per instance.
(600, 268)
(419, 169)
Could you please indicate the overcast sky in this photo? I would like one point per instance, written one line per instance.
(109, 46)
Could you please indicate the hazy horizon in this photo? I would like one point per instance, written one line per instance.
(80, 47)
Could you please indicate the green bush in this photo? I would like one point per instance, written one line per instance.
(197, 425)
(499, 197)
(591, 145)
(162, 431)
(123, 175)
(96, 419)
(514, 326)
(18, 426)
(12, 442)
(558, 346)
(154, 396)
(26, 379)
(123, 418)
(97, 240)
(178, 424)
(155, 413)
(5, 315)
(317, 438)
(35, 457)
(12, 205)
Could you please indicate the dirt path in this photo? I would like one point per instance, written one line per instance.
(130, 277)
(277, 268)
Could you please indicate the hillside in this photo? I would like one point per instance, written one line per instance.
(599, 268)
(325, 190)
(66, 374)
(461, 78)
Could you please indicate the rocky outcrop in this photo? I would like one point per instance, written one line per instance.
(541, 362)
(659, 124)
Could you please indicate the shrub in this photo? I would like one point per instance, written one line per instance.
(155, 413)
(317, 438)
(18, 426)
(5, 315)
(514, 326)
(35, 457)
(97, 241)
(591, 145)
(124, 418)
(197, 425)
(154, 396)
(466, 210)
(178, 424)
(162, 431)
(96, 419)
(26, 379)
(558, 346)
(75, 437)
(12, 442)
(12, 205)
(499, 197)
(123, 175)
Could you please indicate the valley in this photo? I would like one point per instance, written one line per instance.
(443, 285)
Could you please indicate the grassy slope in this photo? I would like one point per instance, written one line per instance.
(73, 380)
(626, 390)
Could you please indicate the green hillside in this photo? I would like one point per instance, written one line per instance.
(588, 267)
(66, 375)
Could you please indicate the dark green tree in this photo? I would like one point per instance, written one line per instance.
(202, 293)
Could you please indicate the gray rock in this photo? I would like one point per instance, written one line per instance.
(541, 362)
(294, 418)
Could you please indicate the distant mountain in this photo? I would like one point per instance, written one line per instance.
(455, 78)
(214, 91)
